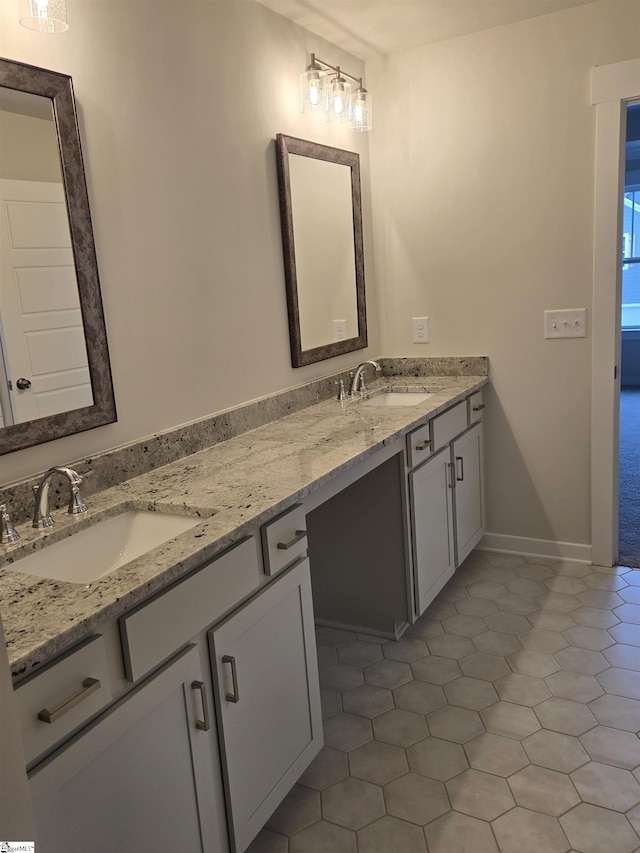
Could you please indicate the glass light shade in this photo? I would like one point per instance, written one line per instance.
(360, 110)
(339, 97)
(46, 16)
(312, 89)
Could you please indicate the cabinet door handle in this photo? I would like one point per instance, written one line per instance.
(90, 686)
(452, 473)
(424, 445)
(235, 696)
(284, 546)
(461, 461)
(479, 407)
(205, 724)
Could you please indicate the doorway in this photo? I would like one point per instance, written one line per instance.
(613, 88)
(629, 442)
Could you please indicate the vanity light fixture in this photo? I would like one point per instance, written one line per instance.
(46, 16)
(324, 88)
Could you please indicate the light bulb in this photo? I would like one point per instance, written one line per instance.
(312, 83)
(340, 93)
(360, 110)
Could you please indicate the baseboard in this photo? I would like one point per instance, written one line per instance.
(525, 547)
(399, 628)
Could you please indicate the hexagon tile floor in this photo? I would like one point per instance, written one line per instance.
(505, 720)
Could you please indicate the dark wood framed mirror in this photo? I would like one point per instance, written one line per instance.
(321, 217)
(50, 300)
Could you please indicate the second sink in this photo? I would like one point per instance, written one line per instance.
(397, 398)
(89, 554)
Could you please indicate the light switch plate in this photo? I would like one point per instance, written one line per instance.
(420, 330)
(566, 323)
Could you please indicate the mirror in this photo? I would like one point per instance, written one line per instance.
(321, 216)
(55, 375)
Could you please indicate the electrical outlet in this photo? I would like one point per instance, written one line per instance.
(339, 330)
(420, 330)
(566, 323)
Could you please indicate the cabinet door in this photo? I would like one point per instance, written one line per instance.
(431, 497)
(140, 778)
(467, 457)
(268, 699)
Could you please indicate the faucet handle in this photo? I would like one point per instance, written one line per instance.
(76, 504)
(342, 394)
(7, 530)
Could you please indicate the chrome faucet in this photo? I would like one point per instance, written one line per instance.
(41, 517)
(357, 381)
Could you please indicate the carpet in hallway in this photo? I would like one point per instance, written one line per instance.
(629, 494)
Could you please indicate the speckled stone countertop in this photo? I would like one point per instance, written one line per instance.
(234, 487)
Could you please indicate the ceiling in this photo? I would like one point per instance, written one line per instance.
(368, 28)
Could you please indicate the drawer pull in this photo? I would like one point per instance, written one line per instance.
(478, 408)
(460, 478)
(235, 696)
(452, 472)
(90, 686)
(424, 445)
(205, 724)
(284, 546)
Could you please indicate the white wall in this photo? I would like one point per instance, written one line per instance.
(28, 148)
(179, 103)
(483, 176)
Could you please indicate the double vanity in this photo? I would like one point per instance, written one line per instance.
(168, 697)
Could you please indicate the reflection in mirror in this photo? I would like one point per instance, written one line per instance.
(55, 377)
(321, 218)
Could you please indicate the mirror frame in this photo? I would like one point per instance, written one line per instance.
(286, 145)
(59, 89)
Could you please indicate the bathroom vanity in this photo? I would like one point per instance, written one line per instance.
(173, 703)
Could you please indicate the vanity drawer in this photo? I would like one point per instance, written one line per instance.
(157, 629)
(419, 445)
(284, 540)
(445, 427)
(62, 697)
(475, 407)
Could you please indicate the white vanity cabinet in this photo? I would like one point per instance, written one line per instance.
(140, 777)
(163, 768)
(267, 699)
(446, 506)
(466, 453)
(432, 527)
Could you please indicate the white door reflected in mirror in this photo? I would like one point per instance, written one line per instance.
(41, 330)
(40, 320)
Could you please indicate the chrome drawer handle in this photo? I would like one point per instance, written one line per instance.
(284, 546)
(235, 696)
(461, 461)
(90, 686)
(423, 445)
(479, 407)
(205, 724)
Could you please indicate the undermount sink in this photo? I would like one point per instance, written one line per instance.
(92, 553)
(397, 398)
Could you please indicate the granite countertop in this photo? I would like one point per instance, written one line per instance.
(234, 487)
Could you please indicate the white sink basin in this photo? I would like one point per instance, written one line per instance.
(397, 398)
(95, 551)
